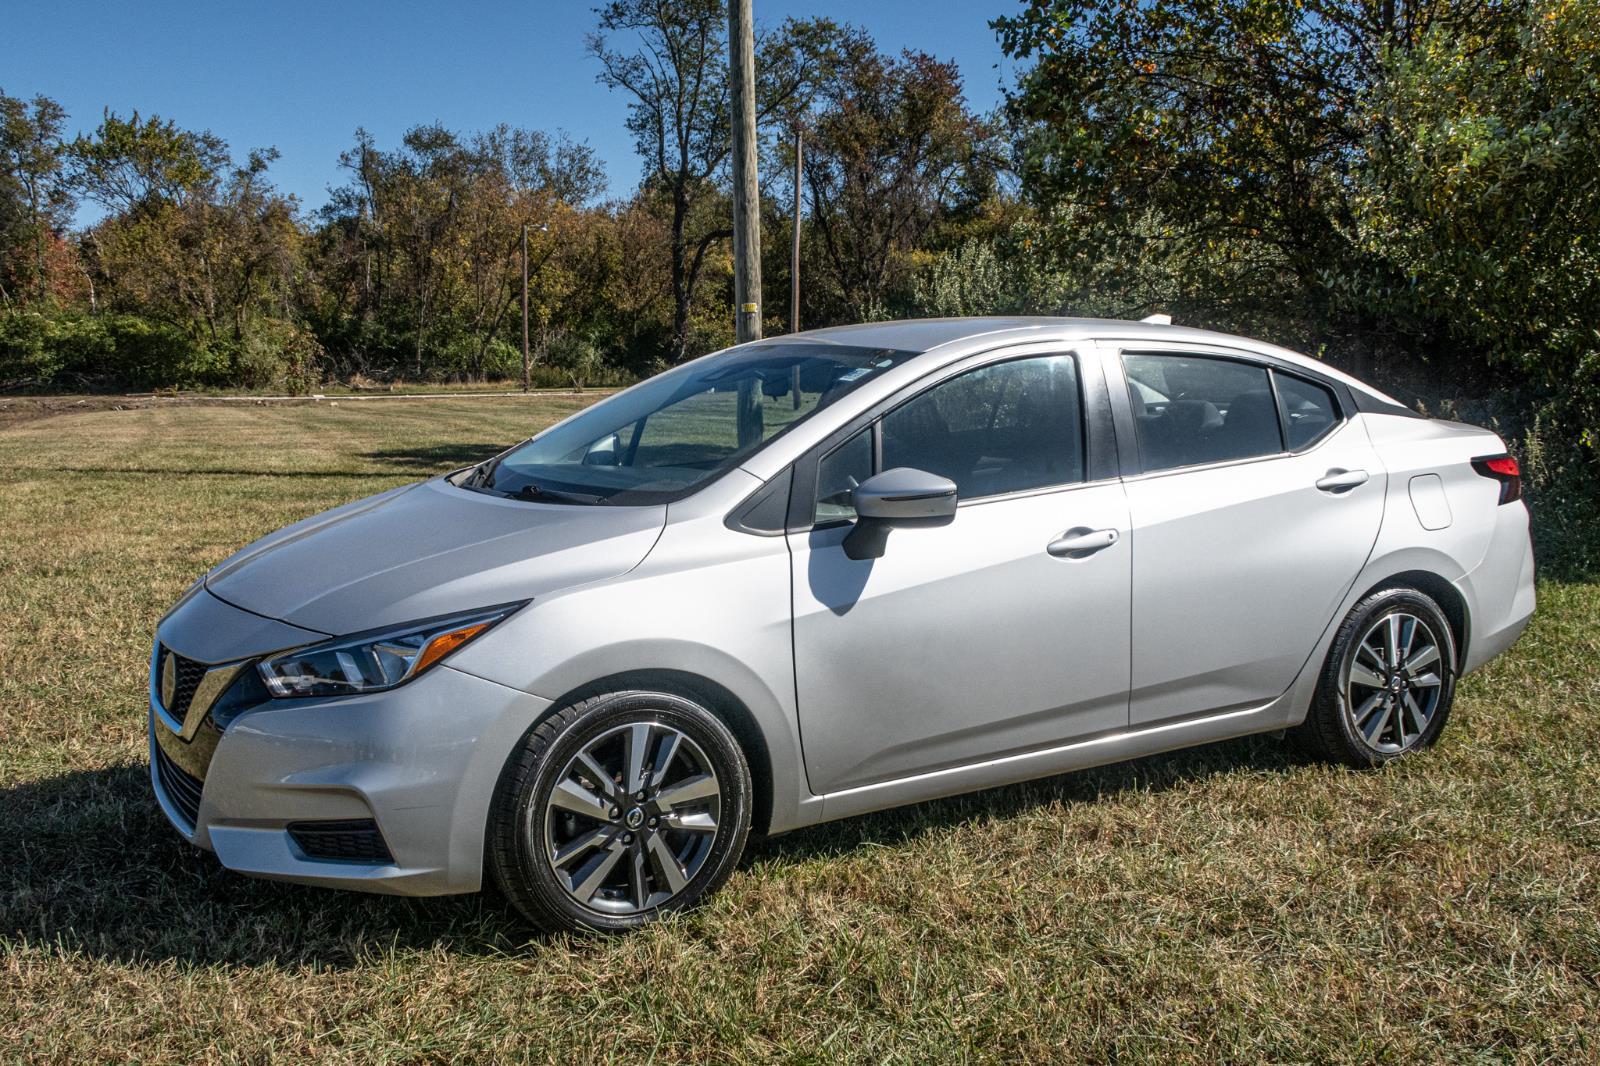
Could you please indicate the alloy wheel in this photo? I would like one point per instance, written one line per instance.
(631, 818)
(1393, 682)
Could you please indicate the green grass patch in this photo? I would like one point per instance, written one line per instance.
(1228, 903)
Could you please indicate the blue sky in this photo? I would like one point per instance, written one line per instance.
(302, 76)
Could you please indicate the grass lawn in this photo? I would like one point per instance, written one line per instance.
(1234, 902)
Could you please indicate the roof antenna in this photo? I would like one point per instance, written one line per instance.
(1157, 320)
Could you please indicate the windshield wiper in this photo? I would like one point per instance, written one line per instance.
(531, 492)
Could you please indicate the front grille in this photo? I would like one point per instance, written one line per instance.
(181, 787)
(356, 840)
(187, 676)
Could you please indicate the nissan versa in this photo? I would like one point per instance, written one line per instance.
(806, 578)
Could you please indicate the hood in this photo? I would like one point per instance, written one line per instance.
(429, 549)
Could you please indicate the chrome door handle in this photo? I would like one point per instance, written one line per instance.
(1341, 480)
(1077, 543)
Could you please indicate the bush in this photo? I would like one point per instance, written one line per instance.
(28, 352)
(276, 354)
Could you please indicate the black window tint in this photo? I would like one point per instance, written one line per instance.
(841, 470)
(1192, 409)
(1309, 410)
(1002, 428)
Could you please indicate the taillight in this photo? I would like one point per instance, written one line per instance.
(1504, 469)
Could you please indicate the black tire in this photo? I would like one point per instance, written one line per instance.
(1330, 729)
(519, 849)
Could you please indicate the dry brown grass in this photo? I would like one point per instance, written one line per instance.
(1229, 903)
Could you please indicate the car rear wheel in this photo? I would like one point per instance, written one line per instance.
(617, 810)
(1388, 683)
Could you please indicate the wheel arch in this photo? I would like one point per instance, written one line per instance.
(1441, 591)
(714, 697)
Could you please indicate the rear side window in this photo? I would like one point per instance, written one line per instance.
(1006, 427)
(1194, 409)
(1309, 410)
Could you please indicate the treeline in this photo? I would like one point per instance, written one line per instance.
(200, 272)
(1408, 187)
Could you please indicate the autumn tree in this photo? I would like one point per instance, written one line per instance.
(423, 242)
(35, 202)
(892, 151)
(671, 58)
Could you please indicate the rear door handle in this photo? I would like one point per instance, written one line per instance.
(1341, 480)
(1077, 543)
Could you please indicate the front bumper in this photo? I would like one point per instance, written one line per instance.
(421, 760)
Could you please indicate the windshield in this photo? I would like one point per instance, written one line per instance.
(661, 440)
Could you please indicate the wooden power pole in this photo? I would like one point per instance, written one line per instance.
(525, 366)
(794, 268)
(794, 240)
(746, 191)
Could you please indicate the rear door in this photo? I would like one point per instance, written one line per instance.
(968, 641)
(1255, 501)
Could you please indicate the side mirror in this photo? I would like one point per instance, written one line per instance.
(606, 451)
(898, 497)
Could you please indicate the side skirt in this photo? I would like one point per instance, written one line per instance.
(1078, 755)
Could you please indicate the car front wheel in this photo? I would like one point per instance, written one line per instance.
(617, 810)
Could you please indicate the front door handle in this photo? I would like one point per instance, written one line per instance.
(1341, 480)
(1077, 543)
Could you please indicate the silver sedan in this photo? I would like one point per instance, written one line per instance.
(821, 575)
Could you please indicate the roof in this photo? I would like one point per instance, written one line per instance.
(926, 334)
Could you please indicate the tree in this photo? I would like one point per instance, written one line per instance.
(677, 79)
(424, 241)
(35, 203)
(892, 150)
(190, 240)
(1481, 189)
(129, 164)
(1233, 128)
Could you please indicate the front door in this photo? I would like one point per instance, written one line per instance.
(969, 641)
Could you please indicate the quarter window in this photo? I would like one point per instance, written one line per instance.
(1192, 409)
(1006, 427)
(1309, 410)
(841, 470)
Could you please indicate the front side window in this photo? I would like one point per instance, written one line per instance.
(1006, 427)
(1194, 409)
(663, 439)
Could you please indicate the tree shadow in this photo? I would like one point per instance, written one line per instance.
(93, 867)
(436, 457)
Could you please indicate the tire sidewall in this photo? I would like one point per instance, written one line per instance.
(536, 889)
(1371, 610)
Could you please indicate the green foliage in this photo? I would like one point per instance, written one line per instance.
(79, 350)
(131, 163)
(1481, 195)
(35, 201)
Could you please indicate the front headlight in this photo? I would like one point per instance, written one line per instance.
(372, 662)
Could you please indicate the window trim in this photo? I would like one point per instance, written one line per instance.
(1127, 427)
(1098, 436)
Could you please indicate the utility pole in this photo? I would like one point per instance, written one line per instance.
(526, 369)
(794, 266)
(746, 191)
(794, 242)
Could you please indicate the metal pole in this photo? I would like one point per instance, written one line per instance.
(526, 369)
(746, 191)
